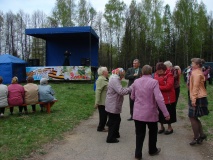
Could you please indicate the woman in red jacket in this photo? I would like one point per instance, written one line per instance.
(16, 96)
(166, 83)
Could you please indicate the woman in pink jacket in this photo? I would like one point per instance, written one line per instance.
(113, 104)
(147, 98)
(16, 95)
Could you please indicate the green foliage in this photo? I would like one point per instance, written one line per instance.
(63, 13)
(21, 135)
(161, 36)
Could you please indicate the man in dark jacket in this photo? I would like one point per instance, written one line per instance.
(132, 74)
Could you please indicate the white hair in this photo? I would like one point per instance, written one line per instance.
(168, 64)
(43, 81)
(177, 67)
(101, 70)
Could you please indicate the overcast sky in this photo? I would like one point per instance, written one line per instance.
(28, 6)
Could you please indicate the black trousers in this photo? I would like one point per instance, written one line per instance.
(102, 117)
(140, 130)
(131, 104)
(177, 93)
(33, 108)
(21, 108)
(114, 126)
(2, 110)
(210, 80)
(11, 110)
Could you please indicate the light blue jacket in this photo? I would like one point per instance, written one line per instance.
(45, 93)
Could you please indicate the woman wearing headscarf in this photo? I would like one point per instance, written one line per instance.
(46, 93)
(113, 103)
(16, 96)
(198, 103)
(147, 98)
(166, 84)
(100, 97)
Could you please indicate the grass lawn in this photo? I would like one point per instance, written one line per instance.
(207, 121)
(21, 135)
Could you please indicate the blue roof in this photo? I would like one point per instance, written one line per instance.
(60, 32)
(7, 58)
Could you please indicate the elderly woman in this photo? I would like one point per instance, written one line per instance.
(166, 82)
(16, 96)
(3, 97)
(198, 104)
(31, 93)
(100, 97)
(146, 94)
(46, 93)
(113, 103)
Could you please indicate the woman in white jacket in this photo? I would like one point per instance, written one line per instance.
(3, 97)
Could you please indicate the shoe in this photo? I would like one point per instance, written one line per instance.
(157, 152)
(138, 158)
(168, 132)
(117, 136)
(204, 137)
(161, 130)
(195, 141)
(113, 141)
(103, 130)
(130, 119)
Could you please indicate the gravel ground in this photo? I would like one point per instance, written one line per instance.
(85, 143)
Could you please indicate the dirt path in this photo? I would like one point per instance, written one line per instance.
(85, 143)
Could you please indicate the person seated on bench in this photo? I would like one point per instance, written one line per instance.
(31, 93)
(3, 97)
(16, 96)
(46, 93)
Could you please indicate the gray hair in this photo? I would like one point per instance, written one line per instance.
(43, 81)
(177, 67)
(136, 60)
(147, 70)
(168, 64)
(101, 70)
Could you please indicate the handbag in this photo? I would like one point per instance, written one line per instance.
(201, 109)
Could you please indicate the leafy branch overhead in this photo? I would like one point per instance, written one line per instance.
(145, 29)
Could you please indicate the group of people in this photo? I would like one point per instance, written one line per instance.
(207, 71)
(16, 95)
(153, 99)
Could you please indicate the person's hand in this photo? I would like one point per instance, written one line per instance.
(193, 104)
(96, 106)
(135, 74)
(167, 118)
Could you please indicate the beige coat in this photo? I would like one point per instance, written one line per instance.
(31, 93)
(196, 85)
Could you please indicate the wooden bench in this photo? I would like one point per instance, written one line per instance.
(47, 105)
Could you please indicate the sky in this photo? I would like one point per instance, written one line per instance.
(29, 6)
